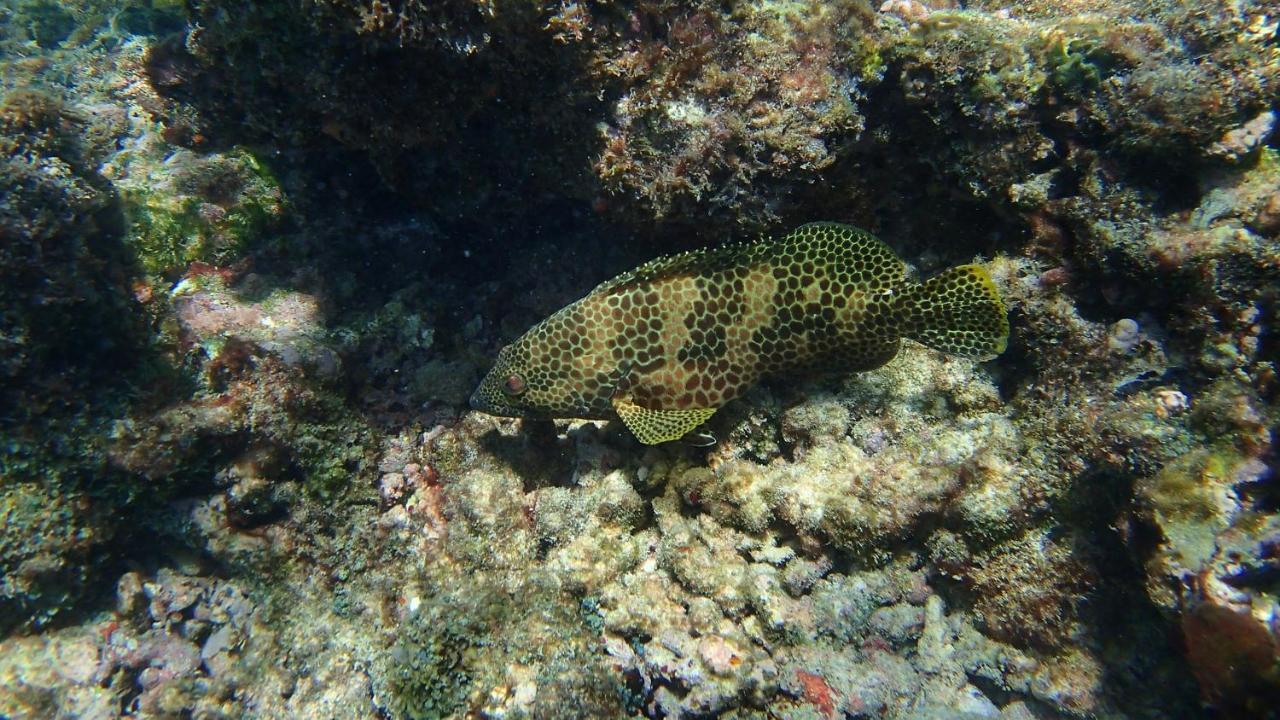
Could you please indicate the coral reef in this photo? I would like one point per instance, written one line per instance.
(727, 113)
(49, 543)
(255, 256)
(63, 273)
(68, 336)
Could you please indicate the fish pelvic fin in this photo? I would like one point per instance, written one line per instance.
(958, 311)
(699, 439)
(658, 426)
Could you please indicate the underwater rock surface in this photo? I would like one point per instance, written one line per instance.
(255, 256)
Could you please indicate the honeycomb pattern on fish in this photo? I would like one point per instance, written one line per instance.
(682, 335)
(943, 315)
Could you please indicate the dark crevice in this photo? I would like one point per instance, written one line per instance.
(1135, 637)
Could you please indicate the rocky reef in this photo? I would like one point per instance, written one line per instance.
(255, 256)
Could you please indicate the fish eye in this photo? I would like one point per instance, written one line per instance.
(514, 385)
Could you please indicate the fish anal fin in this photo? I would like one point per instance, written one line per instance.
(658, 426)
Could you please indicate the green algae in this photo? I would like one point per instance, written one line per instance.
(46, 540)
(1192, 501)
(531, 646)
(331, 454)
(209, 209)
(428, 672)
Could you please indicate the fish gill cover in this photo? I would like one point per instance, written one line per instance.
(255, 257)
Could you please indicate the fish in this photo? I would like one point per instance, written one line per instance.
(663, 346)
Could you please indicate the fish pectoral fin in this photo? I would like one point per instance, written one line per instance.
(658, 426)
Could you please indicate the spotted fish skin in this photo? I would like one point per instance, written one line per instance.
(664, 345)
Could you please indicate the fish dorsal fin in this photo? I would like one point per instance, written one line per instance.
(703, 261)
(848, 247)
(841, 244)
(658, 426)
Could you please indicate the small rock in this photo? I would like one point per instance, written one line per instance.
(216, 653)
(129, 595)
(393, 487)
(899, 623)
(800, 574)
(933, 648)
(1016, 710)
(1123, 335)
(171, 594)
(720, 656)
(165, 657)
(396, 456)
(75, 658)
(194, 630)
(1170, 402)
(910, 10)
(1267, 221)
(1241, 142)
(918, 591)
(228, 604)
(253, 501)
(396, 518)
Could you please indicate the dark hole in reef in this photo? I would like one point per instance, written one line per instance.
(1140, 649)
(1173, 187)
(168, 65)
(1265, 578)
(1264, 491)
(49, 23)
(1106, 294)
(1017, 363)
(633, 690)
(994, 692)
(155, 20)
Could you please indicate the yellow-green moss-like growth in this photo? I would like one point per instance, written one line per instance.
(1191, 501)
(194, 208)
(427, 673)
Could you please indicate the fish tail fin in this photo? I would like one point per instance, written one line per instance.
(958, 311)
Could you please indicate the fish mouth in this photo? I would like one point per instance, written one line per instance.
(479, 402)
